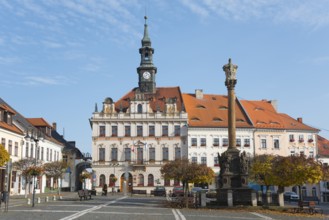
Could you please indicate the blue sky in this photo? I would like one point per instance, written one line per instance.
(60, 57)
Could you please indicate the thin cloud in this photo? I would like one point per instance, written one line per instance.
(321, 60)
(311, 13)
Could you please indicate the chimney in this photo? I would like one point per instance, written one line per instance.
(199, 93)
(54, 126)
(274, 104)
(300, 120)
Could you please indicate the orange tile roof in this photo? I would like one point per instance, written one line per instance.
(11, 128)
(157, 101)
(7, 108)
(323, 146)
(263, 115)
(211, 111)
(38, 122)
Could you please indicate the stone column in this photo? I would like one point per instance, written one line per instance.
(230, 72)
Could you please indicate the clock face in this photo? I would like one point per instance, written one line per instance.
(146, 75)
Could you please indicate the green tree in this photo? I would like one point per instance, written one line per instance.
(4, 155)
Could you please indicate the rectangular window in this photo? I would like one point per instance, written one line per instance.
(127, 154)
(165, 130)
(292, 153)
(3, 142)
(139, 131)
(127, 131)
(177, 130)
(238, 142)
(140, 155)
(301, 138)
(177, 153)
(10, 147)
(152, 154)
(276, 144)
(51, 155)
(310, 138)
(41, 153)
(225, 142)
(216, 163)
(27, 150)
(114, 131)
(151, 130)
(32, 152)
(263, 143)
(194, 160)
(102, 131)
(114, 154)
(194, 141)
(16, 149)
(291, 138)
(47, 155)
(216, 142)
(165, 153)
(311, 154)
(203, 160)
(247, 142)
(302, 153)
(101, 154)
(203, 141)
(38, 153)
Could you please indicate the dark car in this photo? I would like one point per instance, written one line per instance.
(178, 191)
(159, 191)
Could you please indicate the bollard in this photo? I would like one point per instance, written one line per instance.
(60, 197)
(229, 198)
(54, 198)
(39, 199)
(253, 198)
(29, 201)
(47, 199)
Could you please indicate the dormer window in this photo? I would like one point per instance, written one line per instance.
(239, 120)
(200, 106)
(217, 119)
(139, 108)
(222, 107)
(195, 119)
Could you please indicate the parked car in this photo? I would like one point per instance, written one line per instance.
(290, 196)
(196, 190)
(159, 191)
(178, 191)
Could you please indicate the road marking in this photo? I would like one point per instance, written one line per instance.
(175, 214)
(260, 215)
(178, 215)
(81, 213)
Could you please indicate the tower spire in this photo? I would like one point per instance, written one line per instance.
(146, 41)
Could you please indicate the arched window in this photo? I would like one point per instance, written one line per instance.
(139, 108)
(314, 192)
(304, 192)
(112, 180)
(141, 180)
(150, 180)
(102, 180)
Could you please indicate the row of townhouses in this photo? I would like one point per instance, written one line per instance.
(134, 136)
(36, 139)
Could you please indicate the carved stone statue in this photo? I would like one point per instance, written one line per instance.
(244, 163)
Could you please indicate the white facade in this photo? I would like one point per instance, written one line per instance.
(204, 144)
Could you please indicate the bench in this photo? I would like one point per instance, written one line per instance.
(84, 194)
(140, 192)
(307, 206)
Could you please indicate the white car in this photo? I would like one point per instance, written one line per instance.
(291, 196)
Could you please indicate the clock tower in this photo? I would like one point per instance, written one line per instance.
(146, 70)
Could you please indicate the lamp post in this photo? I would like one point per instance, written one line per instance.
(36, 137)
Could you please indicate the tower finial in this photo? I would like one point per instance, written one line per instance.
(145, 17)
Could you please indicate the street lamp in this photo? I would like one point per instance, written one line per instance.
(36, 137)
